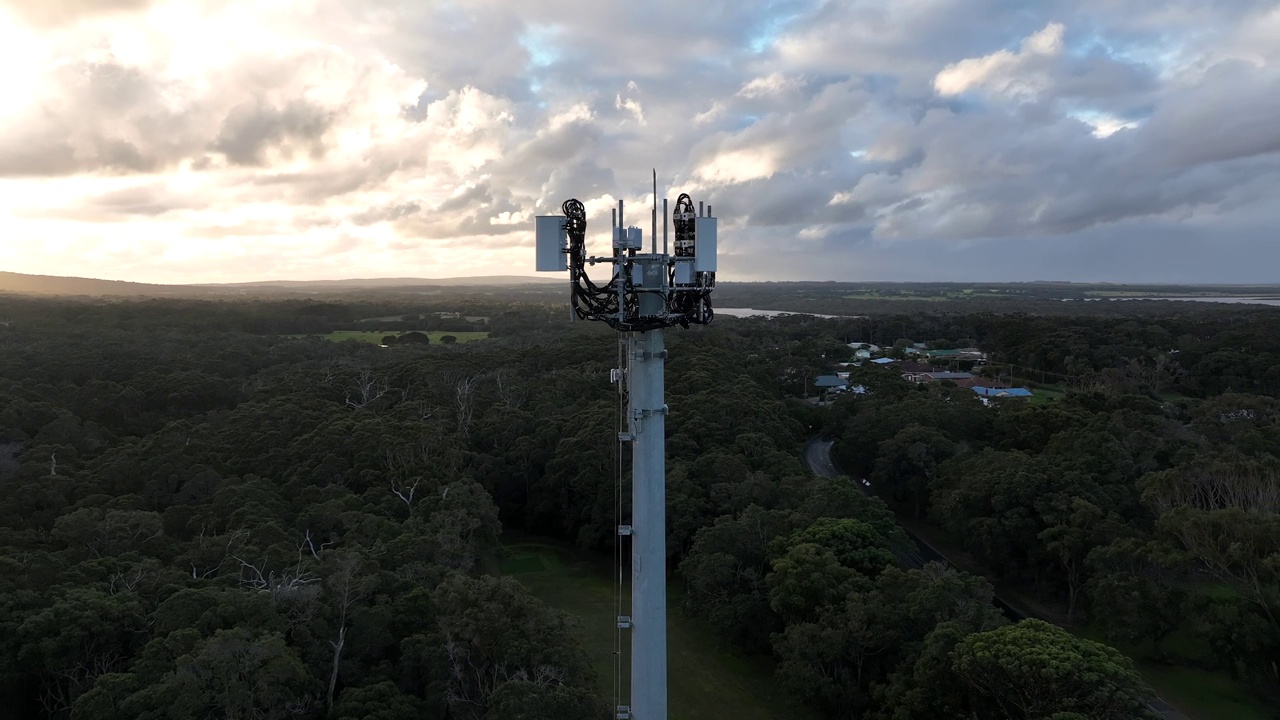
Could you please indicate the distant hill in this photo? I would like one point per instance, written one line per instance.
(499, 280)
(52, 285)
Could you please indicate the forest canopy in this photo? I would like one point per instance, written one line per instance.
(211, 510)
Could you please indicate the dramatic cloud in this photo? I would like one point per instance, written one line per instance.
(219, 140)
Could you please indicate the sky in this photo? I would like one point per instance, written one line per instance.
(182, 141)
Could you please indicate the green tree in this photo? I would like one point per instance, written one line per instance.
(1138, 590)
(240, 674)
(380, 701)
(807, 578)
(853, 543)
(908, 462)
(1032, 670)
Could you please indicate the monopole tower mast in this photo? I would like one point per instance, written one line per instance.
(646, 293)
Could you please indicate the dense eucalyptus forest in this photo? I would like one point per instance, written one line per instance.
(210, 511)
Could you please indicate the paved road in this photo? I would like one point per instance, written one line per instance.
(817, 455)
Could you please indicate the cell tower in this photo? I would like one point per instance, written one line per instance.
(646, 293)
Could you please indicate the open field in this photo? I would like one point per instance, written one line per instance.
(376, 337)
(706, 681)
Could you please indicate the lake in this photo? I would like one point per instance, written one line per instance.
(750, 312)
(1273, 301)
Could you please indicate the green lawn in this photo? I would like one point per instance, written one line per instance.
(1043, 394)
(376, 337)
(706, 681)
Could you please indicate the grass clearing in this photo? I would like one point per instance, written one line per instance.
(1044, 394)
(1199, 693)
(376, 337)
(705, 680)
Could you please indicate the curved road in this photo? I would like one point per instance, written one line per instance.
(817, 454)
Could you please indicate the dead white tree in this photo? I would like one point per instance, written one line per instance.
(405, 492)
(512, 396)
(348, 590)
(126, 580)
(367, 389)
(310, 544)
(280, 585)
(464, 401)
(211, 551)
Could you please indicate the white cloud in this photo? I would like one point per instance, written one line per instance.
(1021, 74)
(773, 84)
(631, 105)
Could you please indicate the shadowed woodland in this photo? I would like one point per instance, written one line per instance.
(205, 517)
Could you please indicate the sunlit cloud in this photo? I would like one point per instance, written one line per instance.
(220, 140)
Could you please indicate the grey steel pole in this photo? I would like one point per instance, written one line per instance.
(665, 215)
(649, 510)
(653, 234)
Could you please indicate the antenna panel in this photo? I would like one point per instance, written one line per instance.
(551, 241)
(704, 233)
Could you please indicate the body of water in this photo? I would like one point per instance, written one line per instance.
(1273, 301)
(751, 312)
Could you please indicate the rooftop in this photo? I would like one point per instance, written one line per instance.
(1002, 392)
(948, 375)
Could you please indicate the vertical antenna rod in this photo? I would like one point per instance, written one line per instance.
(653, 236)
(665, 216)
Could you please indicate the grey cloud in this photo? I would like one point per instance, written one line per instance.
(131, 204)
(373, 216)
(466, 214)
(1233, 112)
(250, 130)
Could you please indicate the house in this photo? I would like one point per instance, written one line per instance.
(914, 371)
(955, 377)
(828, 385)
(942, 354)
(972, 353)
(1002, 392)
(862, 353)
(865, 346)
(883, 361)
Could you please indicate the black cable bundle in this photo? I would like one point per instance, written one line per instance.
(590, 301)
(596, 302)
(689, 304)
